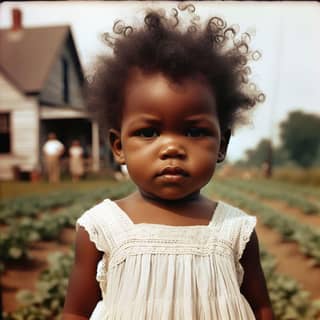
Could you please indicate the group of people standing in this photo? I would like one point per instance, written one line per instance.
(53, 149)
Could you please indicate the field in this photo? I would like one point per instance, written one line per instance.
(37, 231)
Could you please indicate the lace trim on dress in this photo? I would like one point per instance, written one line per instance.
(162, 247)
(91, 230)
(172, 236)
(102, 270)
(248, 226)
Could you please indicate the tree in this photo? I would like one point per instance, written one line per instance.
(260, 154)
(300, 137)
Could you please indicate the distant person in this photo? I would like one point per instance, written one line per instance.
(53, 150)
(76, 162)
(266, 169)
(169, 99)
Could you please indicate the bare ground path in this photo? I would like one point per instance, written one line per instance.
(290, 261)
(312, 220)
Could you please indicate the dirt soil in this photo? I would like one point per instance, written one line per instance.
(19, 277)
(312, 220)
(291, 261)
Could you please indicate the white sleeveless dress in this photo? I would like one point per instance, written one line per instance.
(160, 272)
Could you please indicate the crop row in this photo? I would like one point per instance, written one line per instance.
(47, 302)
(15, 242)
(268, 191)
(305, 190)
(290, 229)
(289, 300)
(32, 205)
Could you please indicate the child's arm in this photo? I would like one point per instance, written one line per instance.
(83, 291)
(254, 285)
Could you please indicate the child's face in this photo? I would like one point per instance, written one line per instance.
(170, 137)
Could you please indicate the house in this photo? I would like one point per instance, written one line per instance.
(41, 91)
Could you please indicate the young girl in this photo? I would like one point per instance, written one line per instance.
(76, 163)
(169, 99)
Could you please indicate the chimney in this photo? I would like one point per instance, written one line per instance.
(16, 20)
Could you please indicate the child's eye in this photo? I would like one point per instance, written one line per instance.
(147, 133)
(196, 132)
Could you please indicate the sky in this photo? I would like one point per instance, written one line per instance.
(286, 33)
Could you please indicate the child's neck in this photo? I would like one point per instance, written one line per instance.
(191, 210)
(185, 201)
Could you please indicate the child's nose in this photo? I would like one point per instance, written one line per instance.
(172, 151)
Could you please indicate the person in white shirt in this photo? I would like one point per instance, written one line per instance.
(53, 150)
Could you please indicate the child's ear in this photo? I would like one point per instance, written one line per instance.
(225, 138)
(116, 146)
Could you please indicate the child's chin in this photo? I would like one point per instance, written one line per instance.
(175, 196)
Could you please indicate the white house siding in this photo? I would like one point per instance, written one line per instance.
(25, 145)
(23, 127)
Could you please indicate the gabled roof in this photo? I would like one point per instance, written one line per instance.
(26, 56)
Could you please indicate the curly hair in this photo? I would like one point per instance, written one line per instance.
(216, 51)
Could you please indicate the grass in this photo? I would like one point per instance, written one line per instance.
(14, 189)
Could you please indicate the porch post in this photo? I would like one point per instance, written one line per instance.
(95, 147)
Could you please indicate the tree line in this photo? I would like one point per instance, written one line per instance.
(299, 144)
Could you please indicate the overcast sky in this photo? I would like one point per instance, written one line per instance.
(286, 33)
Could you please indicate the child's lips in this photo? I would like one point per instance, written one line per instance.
(173, 172)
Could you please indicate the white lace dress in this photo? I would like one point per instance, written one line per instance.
(160, 272)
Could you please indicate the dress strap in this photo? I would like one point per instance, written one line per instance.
(234, 226)
(217, 219)
(105, 225)
(117, 221)
(123, 219)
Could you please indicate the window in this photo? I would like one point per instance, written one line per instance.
(65, 80)
(5, 143)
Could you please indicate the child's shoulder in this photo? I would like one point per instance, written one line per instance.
(100, 206)
(98, 209)
(234, 212)
(99, 215)
(100, 223)
(237, 227)
(234, 221)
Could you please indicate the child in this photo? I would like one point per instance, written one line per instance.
(76, 163)
(169, 100)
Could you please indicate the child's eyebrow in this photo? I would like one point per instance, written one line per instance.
(145, 119)
(203, 118)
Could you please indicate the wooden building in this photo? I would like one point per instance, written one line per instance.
(41, 91)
